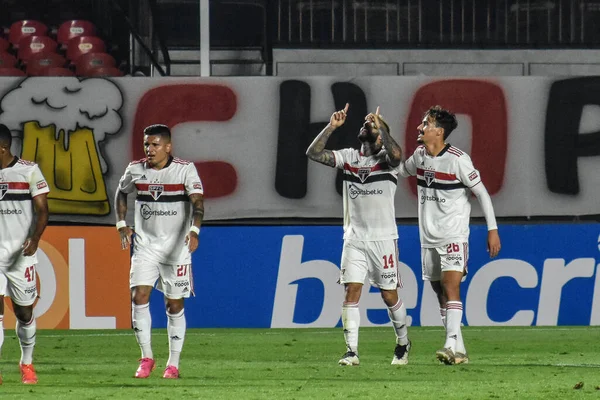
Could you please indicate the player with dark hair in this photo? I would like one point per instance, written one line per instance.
(169, 209)
(370, 232)
(445, 178)
(23, 219)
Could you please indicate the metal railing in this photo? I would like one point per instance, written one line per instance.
(446, 23)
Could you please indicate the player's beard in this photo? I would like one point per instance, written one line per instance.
(366, 136)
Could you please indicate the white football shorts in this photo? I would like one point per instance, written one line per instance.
(174, 281)
(19, 283)
(376, 259)
(450, 257)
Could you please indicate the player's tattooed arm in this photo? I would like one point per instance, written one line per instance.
(120, 205)
(393, 149)
(317, 152)
(197, 201)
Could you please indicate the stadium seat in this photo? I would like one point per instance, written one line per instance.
(55, 71)
(84, 44)
(93, 60)
(40, 62)
(7, 60)
(4, 44)
(21, 29)
(11, 71)
(74, 28)
(103, 71)
(32, 45)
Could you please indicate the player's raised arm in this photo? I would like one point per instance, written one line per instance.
(393, 149)
(316, 151)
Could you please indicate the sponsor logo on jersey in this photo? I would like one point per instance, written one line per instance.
(473, 176)
(454, 257)
(143, 178)
(3, 189)
(363, 173)
(148, 212)
(354, 192)
(41, 184)
(155, 191)
(388, 275)
(197, 185)
(425, 198)
(429, 177)
(11, 211)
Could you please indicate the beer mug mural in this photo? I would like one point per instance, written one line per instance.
(61, 123)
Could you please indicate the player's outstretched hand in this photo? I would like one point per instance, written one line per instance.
(339, 117)
(126, 233)
(30, 246)
(493, 244)
(191, 241)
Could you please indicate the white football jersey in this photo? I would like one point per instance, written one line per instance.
(163, 213)
(20, 182)
(443, 185)
(369, 190)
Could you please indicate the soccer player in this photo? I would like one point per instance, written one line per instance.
(370, 232)
(23, 218)
(169, 209)
(445, 178)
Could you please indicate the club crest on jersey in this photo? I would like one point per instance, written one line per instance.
(429, 177)
(3, 190)
(155, 191)
(363, 173)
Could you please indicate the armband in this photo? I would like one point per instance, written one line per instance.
(121, 224)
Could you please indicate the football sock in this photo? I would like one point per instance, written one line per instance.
(397, 314)
(142, 327)
(443, 316)
(26, 334)
(454, 312)
(176, 331)
(351, 322)
(1, 332)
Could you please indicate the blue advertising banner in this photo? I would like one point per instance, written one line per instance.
(286, 276)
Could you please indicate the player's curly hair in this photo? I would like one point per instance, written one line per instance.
(443, 119)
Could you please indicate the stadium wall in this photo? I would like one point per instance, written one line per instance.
(536, 142)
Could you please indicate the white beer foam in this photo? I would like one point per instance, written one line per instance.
(67, 103)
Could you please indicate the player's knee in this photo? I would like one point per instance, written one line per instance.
(23, 313)
(390, 297)
(140, 295)
(174, 306)
(353, 291)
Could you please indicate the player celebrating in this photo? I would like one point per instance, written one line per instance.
(166, 233)
(23, 190)
(445, 178)
(370, 231)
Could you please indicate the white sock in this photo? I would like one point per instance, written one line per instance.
(443, 316)
(142, 327)
(454, 313)
(26, 334)
(176, 330)
(397, 314)
(1, 332)
(351, 322)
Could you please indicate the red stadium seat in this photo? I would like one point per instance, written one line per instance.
(32, 45)
(12, 71)
(93, 60)
(40, 62)
(56, 71)
(103, 71)
(74, 28)
(84, 44)
(7, 60)
(21, 29)
(4, 44)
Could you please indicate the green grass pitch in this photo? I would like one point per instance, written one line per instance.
(506, 363)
